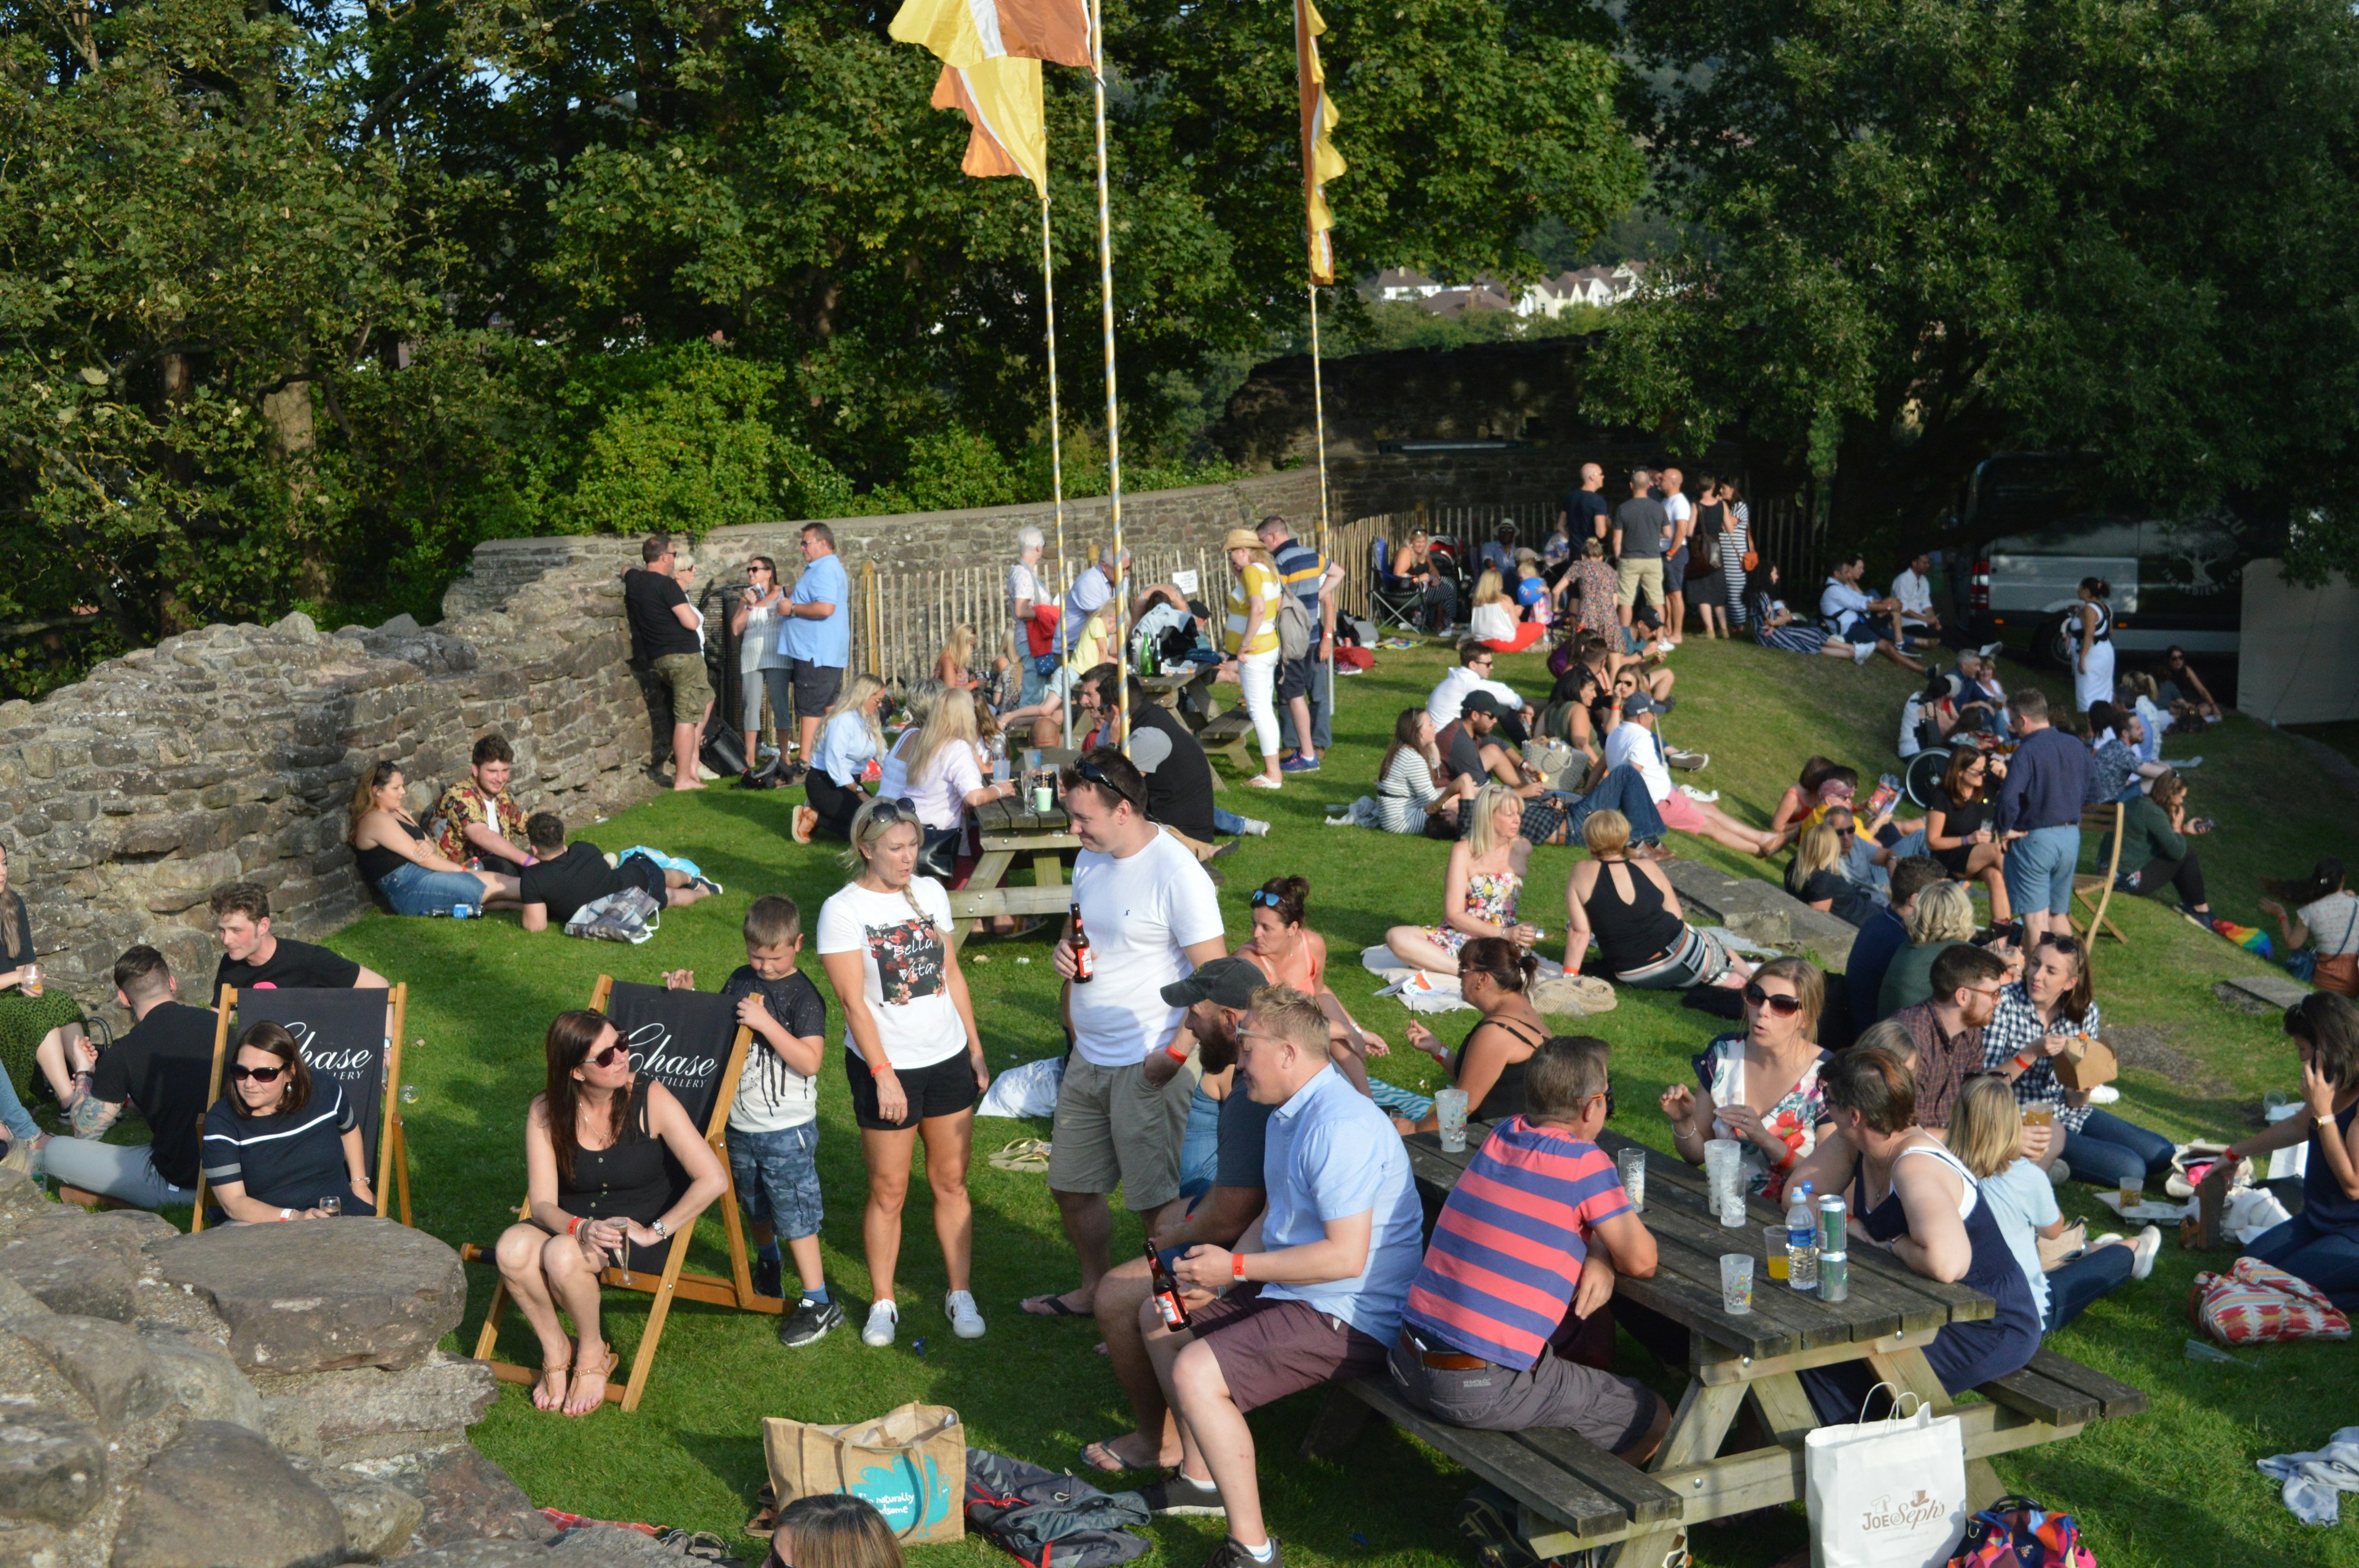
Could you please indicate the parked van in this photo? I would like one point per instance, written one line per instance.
(2035, 524)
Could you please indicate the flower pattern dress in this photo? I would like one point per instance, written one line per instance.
(1490, 895)
(1593, 581)
(1796, 1118)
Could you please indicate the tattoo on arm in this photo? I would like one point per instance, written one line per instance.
(93, 1115)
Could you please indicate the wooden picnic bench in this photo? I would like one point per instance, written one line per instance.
(1572, 1496)
(1008, 829)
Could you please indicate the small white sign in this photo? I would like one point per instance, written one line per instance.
(1186, 582)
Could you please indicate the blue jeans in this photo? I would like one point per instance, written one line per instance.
(1623, 789)
(1228, 822)
(412, 889)
(1322, 715)
(2074, 1285)
(1199, 1147)
(776, 1176)
(2039, 868)
(2107, 1148)
(2327, 1258)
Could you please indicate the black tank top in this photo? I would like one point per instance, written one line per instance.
(2104, 631)
(1506, 1097)
(377, 862)
(627, 1181)
(1633, 935)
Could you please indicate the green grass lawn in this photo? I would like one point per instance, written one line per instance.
(2174, 1487)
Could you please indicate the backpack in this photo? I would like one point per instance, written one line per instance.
(1293, 628)
(2016, 1532)
(1031, 1513)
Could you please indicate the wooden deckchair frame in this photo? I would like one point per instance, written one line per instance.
(2111, 816)
(675, 1280)
(392, 1146)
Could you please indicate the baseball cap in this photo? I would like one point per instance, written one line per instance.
(1639, 702)
(1228, 983)
(1483, 702)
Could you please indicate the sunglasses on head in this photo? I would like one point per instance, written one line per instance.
(1090, 772)
(891, 813)
(1783, 1006)
(1264, 899)
(259, 1075)
(606, 1058)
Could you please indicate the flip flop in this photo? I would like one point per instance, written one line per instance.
(1056, 1307)
(1116, 1468)
(1025, 1155)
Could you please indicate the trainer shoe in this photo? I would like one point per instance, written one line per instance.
(710, 886)
(811, 1321)
(1862, 652)
(883, 1317)
(1688, 762)
(2149, 1243)
(768, 1273)
(1232, 1554)
(1298, 764)
(965, 1321)
(1175, 1494)
(2059, 1173)
(1256, 827)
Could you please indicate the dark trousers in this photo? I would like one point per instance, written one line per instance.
(836, 805)
(2156, 875)
(2073, 1286)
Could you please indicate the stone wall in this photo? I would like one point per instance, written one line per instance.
(263, 1396)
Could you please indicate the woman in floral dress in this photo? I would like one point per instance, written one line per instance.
(1484, 877)
(1761, 1086)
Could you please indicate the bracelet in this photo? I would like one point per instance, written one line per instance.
(572, 1224)
(2022, 1061)
(1174, 1052)
(658, 1226)
(1237, 1264)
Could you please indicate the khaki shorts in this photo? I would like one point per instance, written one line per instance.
(1113, 1130)
(691, 694)
(1646, 570)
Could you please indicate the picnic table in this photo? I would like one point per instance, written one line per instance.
(1008, 829)
(1572, 1496)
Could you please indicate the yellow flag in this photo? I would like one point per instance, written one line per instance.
(964, 32)
(1001, 99)
(1321, 161)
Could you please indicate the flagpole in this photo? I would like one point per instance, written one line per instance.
(1326, 533)
(1056, 438)
(1113, 418)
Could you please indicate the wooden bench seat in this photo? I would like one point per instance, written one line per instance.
(2064, 1393)
(1231, 733)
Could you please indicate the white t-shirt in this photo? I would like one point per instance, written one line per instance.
(901, 968)
(1634, 743)
(1915, 594)
(1494, 622)
(893, 773)
(2334, 923)
(940, 789)
(1141, 914)
(1023, 582)
(1679, 510)
(1448, 703)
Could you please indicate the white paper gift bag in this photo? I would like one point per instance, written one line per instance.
(1887, 1494)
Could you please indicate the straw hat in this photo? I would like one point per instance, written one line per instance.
(1242, 539)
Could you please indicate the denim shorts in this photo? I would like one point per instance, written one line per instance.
(2040, 867)
(776, 1175)
(412, 889)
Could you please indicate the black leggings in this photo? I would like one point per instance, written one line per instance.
(2186, 875)
(836, 805)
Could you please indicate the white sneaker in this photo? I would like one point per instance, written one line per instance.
(2059, 1173)
(965, 1321)
(1256, 827)
(2149, 1243)
(882, 1319)
(2103, 1094)
(1862, 652)
(707, 774)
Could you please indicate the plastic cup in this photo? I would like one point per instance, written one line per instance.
(31, 980)
(1449, 1108)
(1044, 797)
(1724, 1161)
(2039, 1113)
(1736, 1283)
(332, 1207)
(1630, 1164)
(2132, 1191)
(1773, 1248)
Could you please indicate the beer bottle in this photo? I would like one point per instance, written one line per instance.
(1167, 1290)
(1086, 963)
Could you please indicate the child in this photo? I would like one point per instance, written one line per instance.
(1986, 1135)
(774, 1122)
(1532, 589)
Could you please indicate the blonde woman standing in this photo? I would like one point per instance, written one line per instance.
(1255, 593)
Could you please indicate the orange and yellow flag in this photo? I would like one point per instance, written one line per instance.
(1321, 161)
(991, 53)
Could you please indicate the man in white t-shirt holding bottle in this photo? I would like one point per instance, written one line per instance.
(1150, 916)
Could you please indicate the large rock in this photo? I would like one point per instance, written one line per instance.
(74, 1265)
(108, 1364)
(52, 1469)
(1759, 911)
(318, 1296)
(22, 1198)
(379, 1517)
(219, 1497)
(202, 1378)
(17, 1302)
(484, 1554)
(468, 1498)
(369, 1414)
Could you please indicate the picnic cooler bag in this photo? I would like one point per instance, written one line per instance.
(1887, 1494)
(2016, 1532)
(910, 1464)
(2259, 1303)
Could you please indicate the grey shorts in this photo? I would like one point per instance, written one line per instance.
(1611, 1411)
(1113, 1130)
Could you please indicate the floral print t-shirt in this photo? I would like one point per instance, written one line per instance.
(1796, 1118)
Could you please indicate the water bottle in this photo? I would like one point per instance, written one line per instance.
(1802, 1242)
(464, 911)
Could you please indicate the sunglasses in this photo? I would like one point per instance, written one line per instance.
(606, 1058)
(1264, 899)
(1783, 1006)
(259, 1075)
(1088, 772)
(1608, 1098)
(891, 813)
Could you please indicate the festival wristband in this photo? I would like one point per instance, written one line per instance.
(572, 1224)
(1237, 1264)
(2022, 1062)
(1175, 1051)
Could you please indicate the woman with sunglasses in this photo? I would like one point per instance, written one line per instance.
(2036, 1019)
(1957, 832)
(599, 1147)
(281, 1144)
(1494, 974)
(911, 1051)
(1479, 887)
(1291, 954)
(1763, 1085)
(762, 665)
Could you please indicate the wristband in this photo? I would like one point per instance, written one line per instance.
(1174, 1052)
(2022, 1061)
(572, 1224)
(286, 1214)
(1237, 1264)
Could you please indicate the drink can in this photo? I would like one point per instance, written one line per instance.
(1831, 1228)
(1834, 1277)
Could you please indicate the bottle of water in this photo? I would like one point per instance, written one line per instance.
(1802, 1242)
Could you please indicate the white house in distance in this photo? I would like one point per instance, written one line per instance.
(1594, 286)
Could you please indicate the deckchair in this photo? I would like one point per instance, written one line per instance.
(342, 1036)
(2106, 817)
(690, 1043)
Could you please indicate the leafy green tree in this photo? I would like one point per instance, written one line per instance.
(1941, 230)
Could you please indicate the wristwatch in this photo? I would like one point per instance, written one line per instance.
(661, 1234)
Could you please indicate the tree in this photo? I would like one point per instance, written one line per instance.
(1941, 230)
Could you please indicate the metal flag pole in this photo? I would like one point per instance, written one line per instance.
(1113, 420)
(1326, 530)
(1056, 444)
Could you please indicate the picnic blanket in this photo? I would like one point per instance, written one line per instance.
(1423, 990)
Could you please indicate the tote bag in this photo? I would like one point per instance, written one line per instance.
(1887, 1494)
(909, 1464)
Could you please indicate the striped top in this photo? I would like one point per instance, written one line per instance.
(1508, 1248)
(286, 1159)
(1262, 584)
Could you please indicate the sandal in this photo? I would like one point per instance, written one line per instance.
(765, 1523)
(555, 1398)
(1027, 1155)
(587, 1369)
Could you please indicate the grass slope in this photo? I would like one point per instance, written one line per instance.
(2175, 1488)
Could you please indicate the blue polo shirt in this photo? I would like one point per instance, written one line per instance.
(1330, 1154)
(827, 642)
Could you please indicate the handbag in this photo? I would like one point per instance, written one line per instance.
(2016, 1532)
(2086, 1063)
(909, 1464)
(2259, 1303)
(1889, 1492)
